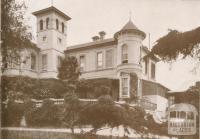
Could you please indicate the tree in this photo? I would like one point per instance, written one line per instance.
(103, 113)
(68, 69)
(15, 34)
(71, 112)
(170, 46)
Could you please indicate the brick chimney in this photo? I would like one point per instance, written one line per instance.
(102, 35)
(95, 38)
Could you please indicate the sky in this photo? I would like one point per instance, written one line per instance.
(151, 16)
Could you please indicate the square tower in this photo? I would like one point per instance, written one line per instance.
(51, 39)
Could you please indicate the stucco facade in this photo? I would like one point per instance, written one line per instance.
(117, 58)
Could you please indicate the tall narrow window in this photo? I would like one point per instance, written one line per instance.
(109, 58)
(82, 63)
(125, 92)
(146, 65)
(44, 62)
(33, 62)
(57, 24)
(59, 58)
(63, 27)
(124, 54)
(59, 40)
(41, 24)
(47, 23)
(153, 68)
(99, 60)
(171, 100)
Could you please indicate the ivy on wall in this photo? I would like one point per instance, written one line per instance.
(94, 88)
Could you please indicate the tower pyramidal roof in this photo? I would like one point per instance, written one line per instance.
(51, 9)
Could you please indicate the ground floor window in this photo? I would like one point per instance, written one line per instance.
(125, 86)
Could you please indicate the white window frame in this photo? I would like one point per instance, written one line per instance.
(84, 62)
(97, 60)
(124, 56)
(44, 38)
(59, 40)
(34, 67)
(125, 76)
(106, 62)
(44, 67)
(59, 61)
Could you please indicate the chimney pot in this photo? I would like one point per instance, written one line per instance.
(102, 34)
(95, 38)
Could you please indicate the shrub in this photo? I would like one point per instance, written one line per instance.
(48, 115)
(12, 114)
(94, 88)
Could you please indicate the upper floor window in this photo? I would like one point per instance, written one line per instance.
(109, 58)
(171, 100)
(146, 65)
(41, 24)
(82, 63)
(44, 38)
(33, 62)
(57, 24)
(63, 27)
(124, 54)
(44, 62)
(99, 60)
(47, 23)
(59, 40)
(153, 70)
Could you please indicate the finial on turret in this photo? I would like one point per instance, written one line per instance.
(52, 3)
(130, 15)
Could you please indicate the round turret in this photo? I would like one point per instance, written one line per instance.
(129, 44)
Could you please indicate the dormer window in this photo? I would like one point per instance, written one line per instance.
(63, 27)
(57, 24)
(47, 23)
(124, 54)
(41, 24)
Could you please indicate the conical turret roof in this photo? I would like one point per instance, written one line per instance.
(129, 27)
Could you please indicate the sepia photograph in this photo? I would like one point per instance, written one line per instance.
(100, 69)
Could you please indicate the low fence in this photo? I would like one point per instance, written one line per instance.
(26, 133)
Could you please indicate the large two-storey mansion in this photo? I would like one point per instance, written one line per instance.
(116, 58)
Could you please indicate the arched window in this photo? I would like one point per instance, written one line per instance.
(41, 24)
(47, 23)
(124, 54)
(57, 24)
(63, 27)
